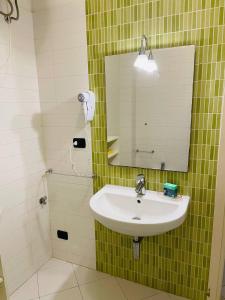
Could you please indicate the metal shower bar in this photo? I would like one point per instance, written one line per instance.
(9, 16)
(51, 171)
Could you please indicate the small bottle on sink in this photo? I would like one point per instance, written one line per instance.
(170, 190)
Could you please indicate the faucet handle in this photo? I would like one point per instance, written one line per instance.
(140, 177)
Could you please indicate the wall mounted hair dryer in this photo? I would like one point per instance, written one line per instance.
(88, 101)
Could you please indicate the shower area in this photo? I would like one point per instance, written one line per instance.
(45, 223)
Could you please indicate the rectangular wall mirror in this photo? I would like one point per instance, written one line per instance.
(149, 115)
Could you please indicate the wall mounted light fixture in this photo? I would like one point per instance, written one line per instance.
(145, 61)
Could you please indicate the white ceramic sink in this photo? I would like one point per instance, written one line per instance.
(117, 208)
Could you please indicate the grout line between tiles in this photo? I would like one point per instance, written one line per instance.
(78, 285)
(157, 293)
(148, 297)
(94, 280)
(121, 288)
(58, 292)
(80, 292)
(38, 286)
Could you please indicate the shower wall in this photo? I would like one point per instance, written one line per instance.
(60, 39)
(24, 225)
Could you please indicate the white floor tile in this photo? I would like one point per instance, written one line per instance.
(71, 294)
(28, 291)
(85, 275)
(173, 297)
(54, 263)
(103, 289)
(160, 296)
(56, 276)
(164, 296)
(134, 291)
(58, 280)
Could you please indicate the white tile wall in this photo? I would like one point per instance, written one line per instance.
(60, 39)
(24, 226)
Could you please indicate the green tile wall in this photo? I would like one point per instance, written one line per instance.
(177, 262)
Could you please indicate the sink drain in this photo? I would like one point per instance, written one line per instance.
(136, 218)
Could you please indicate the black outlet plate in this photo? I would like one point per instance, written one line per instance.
(63, 235)
(79, 143)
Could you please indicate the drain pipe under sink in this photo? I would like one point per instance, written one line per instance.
(136, 247)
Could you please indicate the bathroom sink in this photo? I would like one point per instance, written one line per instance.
(120, 209)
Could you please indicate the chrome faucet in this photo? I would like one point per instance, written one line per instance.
(140, 185)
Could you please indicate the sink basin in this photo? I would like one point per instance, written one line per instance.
(119, 209)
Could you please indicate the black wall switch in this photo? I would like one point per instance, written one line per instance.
(63, 235)
(79, 143)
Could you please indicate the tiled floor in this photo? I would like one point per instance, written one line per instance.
(59, 280)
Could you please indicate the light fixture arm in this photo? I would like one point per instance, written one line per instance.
(144, 44)
(145, 47)
(145, 60)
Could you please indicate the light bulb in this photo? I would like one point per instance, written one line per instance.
(151, 66)
(145, 63)
(141, 61)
